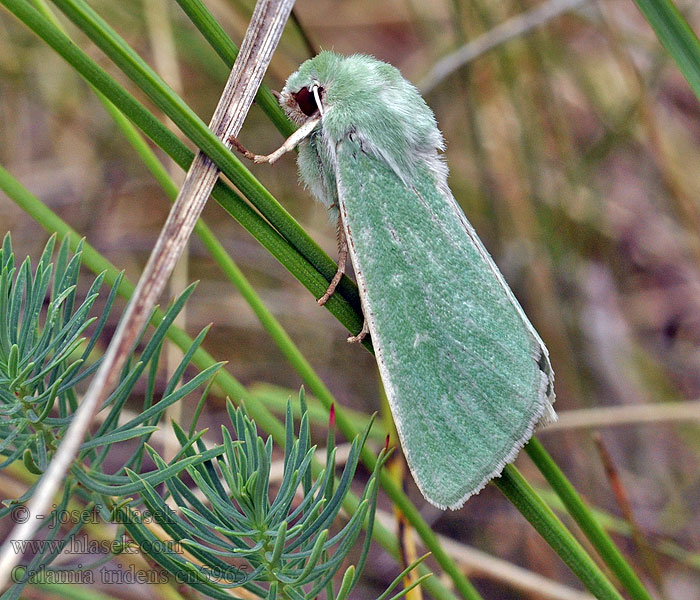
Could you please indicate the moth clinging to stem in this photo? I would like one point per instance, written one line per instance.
(467, 376)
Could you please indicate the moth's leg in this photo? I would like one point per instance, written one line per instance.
(360, 336)
(241, 148)
(342, 261)
(290, 143)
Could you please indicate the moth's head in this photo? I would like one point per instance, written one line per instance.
(331, 80)
(305, 95)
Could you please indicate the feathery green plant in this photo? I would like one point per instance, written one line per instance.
(286, 542)
(39, 362)
(287, 548)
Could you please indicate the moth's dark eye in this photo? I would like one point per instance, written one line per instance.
(306, 101)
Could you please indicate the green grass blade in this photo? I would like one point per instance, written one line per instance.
(541, 517)
(584, 517)
(676, 36)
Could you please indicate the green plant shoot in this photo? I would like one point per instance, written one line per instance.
(467, 376)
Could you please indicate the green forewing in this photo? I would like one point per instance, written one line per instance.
(459, 361)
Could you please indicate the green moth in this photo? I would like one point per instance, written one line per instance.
(467, 376)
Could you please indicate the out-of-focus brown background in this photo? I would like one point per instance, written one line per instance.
(574, 151)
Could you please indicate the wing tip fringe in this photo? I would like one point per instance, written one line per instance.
(543, 416)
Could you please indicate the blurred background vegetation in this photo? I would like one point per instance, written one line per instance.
(573, 149)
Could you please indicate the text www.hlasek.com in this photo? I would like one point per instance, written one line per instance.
(82, 544)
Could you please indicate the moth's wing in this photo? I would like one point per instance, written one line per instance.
(466, 374)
